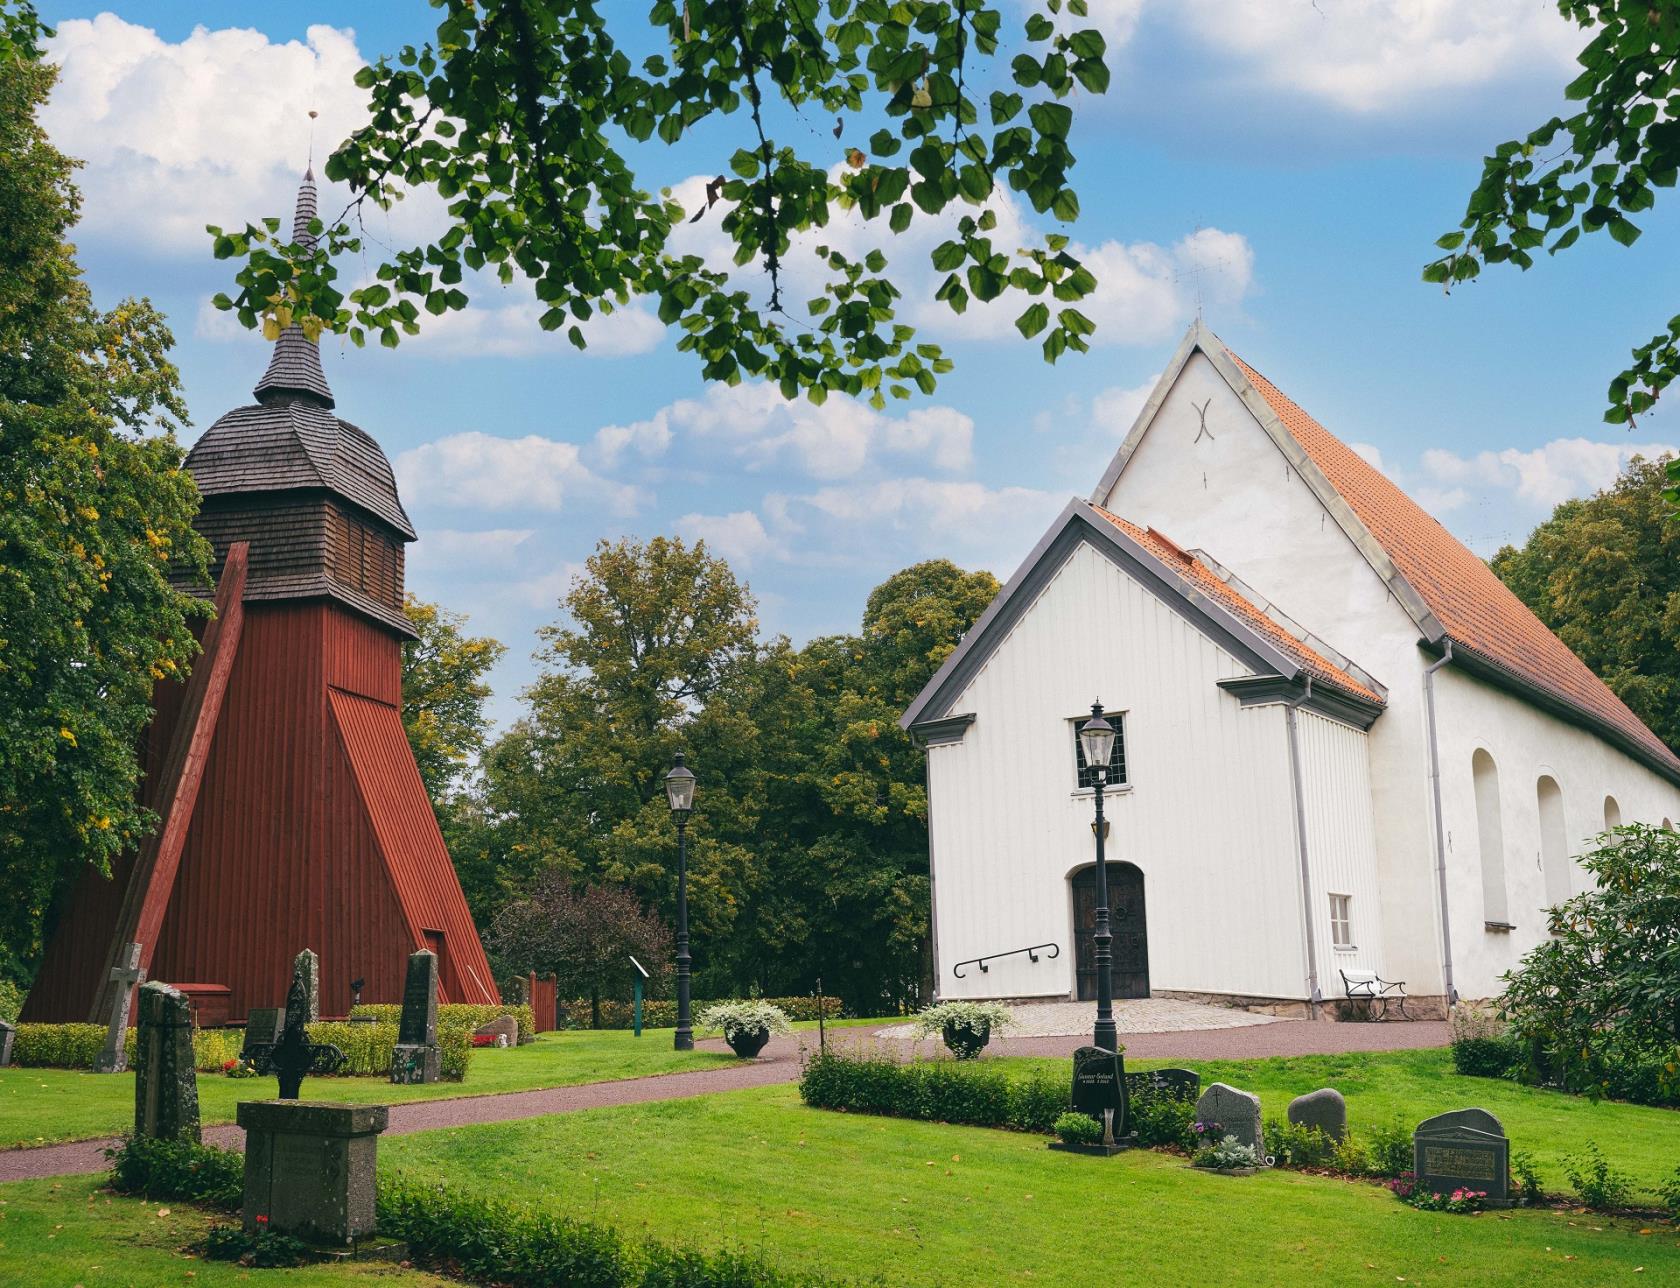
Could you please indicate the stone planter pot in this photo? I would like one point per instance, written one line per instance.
(964, 1042)
(747, 1043)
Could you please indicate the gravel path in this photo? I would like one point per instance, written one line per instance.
(780, 1063)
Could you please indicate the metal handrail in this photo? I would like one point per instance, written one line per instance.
(1032, 955)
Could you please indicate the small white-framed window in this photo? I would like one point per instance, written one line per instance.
(1341, 920)
(1083, 778)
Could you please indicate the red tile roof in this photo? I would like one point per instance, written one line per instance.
(1211, 584)
(1478, 611)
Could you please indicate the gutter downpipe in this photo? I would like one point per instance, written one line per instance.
(1440, 823)
(1289, 708)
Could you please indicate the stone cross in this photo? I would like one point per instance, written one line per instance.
(294, 1055)
(125, 975)
(307, 967)
(165, 1082)
(416, 1057)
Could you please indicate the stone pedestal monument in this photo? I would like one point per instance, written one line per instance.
(165, 1083)
(309, 1168)
(416, 1057)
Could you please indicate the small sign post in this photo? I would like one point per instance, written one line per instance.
(640, 976)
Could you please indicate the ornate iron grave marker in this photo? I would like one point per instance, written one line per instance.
(294, 1055)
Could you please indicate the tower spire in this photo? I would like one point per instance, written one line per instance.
(294, 369)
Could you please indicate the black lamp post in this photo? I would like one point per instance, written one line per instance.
(679, 790)
(1096, 738)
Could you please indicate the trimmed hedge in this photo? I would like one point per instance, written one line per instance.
(77, 1046)
(470, 1014)
(935, 1091)
(368, 1047)
(662, 1014)
(488, 1240)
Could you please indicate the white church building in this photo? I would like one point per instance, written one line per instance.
(1344, 744)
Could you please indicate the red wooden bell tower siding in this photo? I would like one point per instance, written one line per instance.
(309, 824)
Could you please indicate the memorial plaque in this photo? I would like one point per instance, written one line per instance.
(1463, 1150)
(1167, 1084)
(262, 1029)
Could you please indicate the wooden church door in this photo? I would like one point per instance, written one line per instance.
(1127, 922)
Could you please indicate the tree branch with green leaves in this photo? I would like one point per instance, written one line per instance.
(1590, 172)
(523, 115)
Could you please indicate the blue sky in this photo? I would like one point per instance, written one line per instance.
(1290, 163)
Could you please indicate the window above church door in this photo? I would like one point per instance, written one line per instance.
(1084, 779)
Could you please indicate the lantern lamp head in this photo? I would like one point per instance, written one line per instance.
(679, 790)
(1096, 739)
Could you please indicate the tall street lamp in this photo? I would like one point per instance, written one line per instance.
(679, 791)
(1096, 739)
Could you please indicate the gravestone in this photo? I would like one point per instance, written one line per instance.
(1170, 1084)
(1324, 1109)
(113, 1056)
(165, 1083)
(7, 1032)
(1464, 1149)
(504, 1029)
(1100, 1090)
(1237, 1113)
(307, 967)
(309, 1168)
(262, 1029)
(416, 1057)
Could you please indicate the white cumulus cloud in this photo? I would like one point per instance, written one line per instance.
(739, 537)
(471, 551)
(478, 470)
(1543, 476)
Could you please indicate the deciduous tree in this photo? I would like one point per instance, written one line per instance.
(1595, 170)
(1604, 573)
(95, 515)
(526, 117)
(444, 694)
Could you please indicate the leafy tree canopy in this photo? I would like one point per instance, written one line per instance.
(444, 694)
(523, 116)
(95, 515)
(1604, 573)
(1593, 171)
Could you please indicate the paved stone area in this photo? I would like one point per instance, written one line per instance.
(1131, 1015)
(780, 1063)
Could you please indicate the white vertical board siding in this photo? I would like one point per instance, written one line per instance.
(1341, 845)
(1208, 814)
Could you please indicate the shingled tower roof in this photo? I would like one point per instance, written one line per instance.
(295, 369)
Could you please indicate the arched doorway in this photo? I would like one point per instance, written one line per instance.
(1129, 925)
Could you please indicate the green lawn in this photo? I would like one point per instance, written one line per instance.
(41, 1106)
(924, 1203)
(56, 1234)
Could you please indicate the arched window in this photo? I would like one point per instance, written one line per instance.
(1612, 814)
(1490, 829)
(1554, 840)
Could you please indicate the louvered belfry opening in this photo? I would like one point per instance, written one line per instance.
(312, 828)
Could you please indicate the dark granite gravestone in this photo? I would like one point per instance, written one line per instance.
(1170, 1084)
(1465, 1149)
(262, 1029)
(7, 1032)
(165, 1082)
(1099, 1089)
(309, 1168)
(1324, 1109)
(307, 967)
(1236, 1112)
(416, 1057)
(113, 1056)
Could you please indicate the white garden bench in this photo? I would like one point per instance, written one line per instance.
(1375, 991)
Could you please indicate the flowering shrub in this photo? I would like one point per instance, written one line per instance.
(239, 1068)
(744, 1017)
(976, 1017)
(1460, 1201)
(263, 1249)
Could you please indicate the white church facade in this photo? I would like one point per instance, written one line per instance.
(1344, 744)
